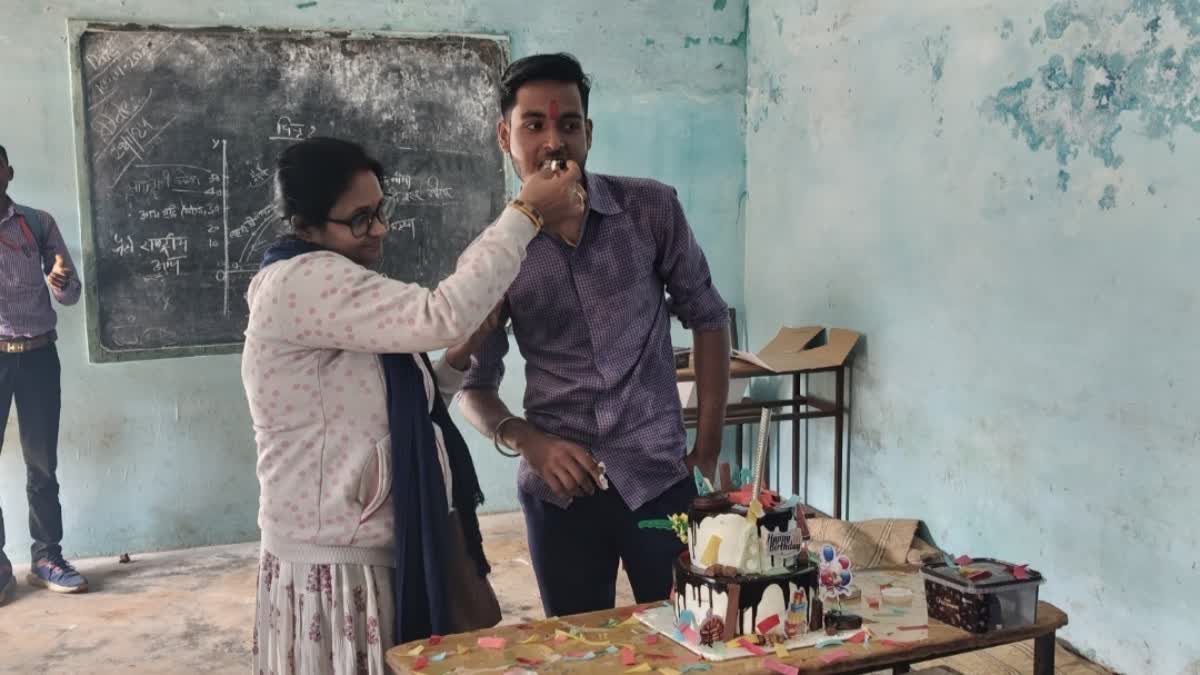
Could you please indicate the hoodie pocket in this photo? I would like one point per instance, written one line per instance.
(376, 483)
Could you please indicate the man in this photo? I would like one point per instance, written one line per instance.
(589, 316)
(34, 264)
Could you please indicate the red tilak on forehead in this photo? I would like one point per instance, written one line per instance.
(554, 109)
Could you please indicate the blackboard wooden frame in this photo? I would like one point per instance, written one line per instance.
(76, 29)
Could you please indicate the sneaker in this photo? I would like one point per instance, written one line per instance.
(8, 583)
(57, 575)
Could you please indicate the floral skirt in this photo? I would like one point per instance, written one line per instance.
(322, 619)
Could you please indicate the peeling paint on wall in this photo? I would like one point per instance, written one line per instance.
(1144, 60)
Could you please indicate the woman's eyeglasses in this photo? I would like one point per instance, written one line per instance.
(360, 223)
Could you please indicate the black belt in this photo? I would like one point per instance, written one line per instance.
(21, 345)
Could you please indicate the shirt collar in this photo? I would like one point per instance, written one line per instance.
(9, 212)
(600, 194)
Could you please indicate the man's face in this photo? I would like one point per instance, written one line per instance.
(6, 176)
(547, 122)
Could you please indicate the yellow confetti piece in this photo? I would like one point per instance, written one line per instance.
(781, 651)
(530, 639)
(462, 650)
(710, 551)
(631, 621)
(735, 643)
(416, 651)
(644, 668)
(594, 643)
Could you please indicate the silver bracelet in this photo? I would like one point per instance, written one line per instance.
(496, 436)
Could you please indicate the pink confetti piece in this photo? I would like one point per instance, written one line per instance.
(781, 668)
(832, 657)
(435, 640)
(752, 648)
(858, 638)
(561, 637)
(1020, 572)
(651, 639)
(492, 642)
(420, 663)
(768, 623)
(627, 657)
(690, 635)
(963, 560)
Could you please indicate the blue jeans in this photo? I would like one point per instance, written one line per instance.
(575, 551)
(33, 379)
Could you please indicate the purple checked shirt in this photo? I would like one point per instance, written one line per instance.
(593, 327)
(25, 309)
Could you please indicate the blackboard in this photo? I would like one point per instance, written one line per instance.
(179, 130)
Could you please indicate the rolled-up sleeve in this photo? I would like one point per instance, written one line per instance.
(684, 270)
(55, 245)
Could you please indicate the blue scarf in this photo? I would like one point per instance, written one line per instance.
(418, 492)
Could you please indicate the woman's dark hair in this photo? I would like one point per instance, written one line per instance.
(542, 68)
(312, 174)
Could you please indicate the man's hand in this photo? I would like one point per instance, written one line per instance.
(567, 468)
(60, 274)
(707, 461)
(459, 356)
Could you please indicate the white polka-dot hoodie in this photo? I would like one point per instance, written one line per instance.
(315, 385)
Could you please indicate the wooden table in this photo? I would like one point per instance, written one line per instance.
(796, 353)
(944, 641)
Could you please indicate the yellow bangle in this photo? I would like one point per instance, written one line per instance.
(531, 213)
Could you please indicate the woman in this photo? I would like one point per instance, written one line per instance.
(368, 493)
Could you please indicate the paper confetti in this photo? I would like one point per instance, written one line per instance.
(534, 663)
(492, 642)
(1020, 572)
(691, 636)
(768, 623)
(439, 657)
(435, 640)
(781, 668)
(831, 657)
(652, 639)
(894, 643)
(963, 560)
(751, 647)
(462, 650)
(416, 651)
(829, 642)
(644, 668)
(627, 657)
(529, 640)
(420, 663)
(610, 623)
(781, 651)
(858, 638)
(611, 650)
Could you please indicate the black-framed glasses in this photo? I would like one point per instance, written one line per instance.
(360, 223)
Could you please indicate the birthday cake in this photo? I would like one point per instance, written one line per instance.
(747, 571)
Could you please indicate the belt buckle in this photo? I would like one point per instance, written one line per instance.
(13, 347)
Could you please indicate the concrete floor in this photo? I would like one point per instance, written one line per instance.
(190, 611)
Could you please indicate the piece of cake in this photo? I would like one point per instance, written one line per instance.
(746, 571)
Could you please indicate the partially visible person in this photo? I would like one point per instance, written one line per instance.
(34, 266)
(368, 491)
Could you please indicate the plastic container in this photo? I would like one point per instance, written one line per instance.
(998, 601)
